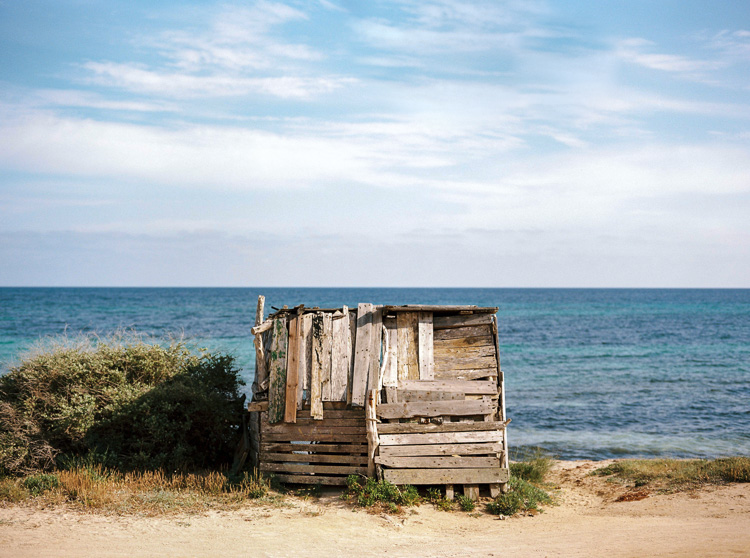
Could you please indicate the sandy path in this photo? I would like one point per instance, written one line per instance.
(588, 522)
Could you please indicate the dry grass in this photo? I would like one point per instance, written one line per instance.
(676, 475)
(98, 489)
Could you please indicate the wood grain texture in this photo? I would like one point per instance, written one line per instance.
(325, 374)
(390, 344)
(467, 462)
(444, 322)
(478, 387)
(446, 476)
(305, 360)
(439, 438)
(425, 347)
(277, 370)
(363, 346)
(401, 428)
(316, 372)
(486, 448)
(434, 409)
(341, 352)
(407, 324)
(376, 336)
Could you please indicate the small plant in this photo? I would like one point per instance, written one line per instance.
(522, 496)
(435, 497)
(673, 475)
(37, 484)
(533, 466)
(382, 493)
(466, 503)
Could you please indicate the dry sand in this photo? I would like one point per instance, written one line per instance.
(589, 521)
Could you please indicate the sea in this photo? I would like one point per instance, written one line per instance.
(590, 373)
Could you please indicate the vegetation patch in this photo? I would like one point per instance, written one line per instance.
(96, 488)
(124, 402)
(380, 495)
(522, 497)
(676, 475)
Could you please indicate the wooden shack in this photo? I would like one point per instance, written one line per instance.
(411, 394)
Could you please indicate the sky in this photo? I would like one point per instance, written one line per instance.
(503, 143)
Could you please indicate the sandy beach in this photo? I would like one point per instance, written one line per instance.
(593, 518)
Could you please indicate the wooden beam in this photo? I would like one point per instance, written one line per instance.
(292, 370)
(311, 479)
(316, 370)
(445, 322)
(372, 433)
(376, 336)
(434, 409)
(341, 352)
(363, 346)
(304, 468)
(472, 462)
(478, 387)
(403, 428)
(359, 450)
(325, 375)
(277, 370)
(486, 448)
(445, 476)
(439, 308)
(390, 342)
(408, 341)
(305, 360)
(439, 438)
(261, 373)
(425, 348)
(288, 457)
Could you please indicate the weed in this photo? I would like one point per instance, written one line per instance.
(674, 475)
(37, 484)
(381, 493)
(466, 503)
(522, 496)
(435, 497)
(533, 466)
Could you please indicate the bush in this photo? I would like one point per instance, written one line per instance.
(130, 403)
(383, 493)
(37, 484)
(522, 496)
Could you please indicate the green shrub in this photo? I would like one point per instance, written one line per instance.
(132, 403)
(532, 466)
(466, 503)
(671, 475)
(37, 484)
(522, 496)
(373, 492)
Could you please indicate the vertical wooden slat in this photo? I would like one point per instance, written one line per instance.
(376, 336)
(426, 352)
(363, 346)
(501, 387)
(292, 370)
(325, 375)
(372, 432)
(305, 360)
(277, 370)
(408, 365)
(353, 337)
(390, 376)
(316, 373)
(341, 353)
(261, 372)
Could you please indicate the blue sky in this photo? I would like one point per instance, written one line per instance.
(399, 143)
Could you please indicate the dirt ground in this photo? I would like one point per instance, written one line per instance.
(593, 518)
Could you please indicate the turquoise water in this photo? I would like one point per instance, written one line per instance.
(591, 373)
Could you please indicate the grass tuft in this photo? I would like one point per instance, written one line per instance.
(675, 475)
(522, 496)
(382, 495)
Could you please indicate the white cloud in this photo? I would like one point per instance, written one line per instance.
(632, 50)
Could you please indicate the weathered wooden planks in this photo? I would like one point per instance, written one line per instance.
(376, 336)
(277, 370)
(486, 448)
(317, 367)
(444, 322)
(341, 352)
(462, 362)
(469, 462)
(439, 438)
(261, 374)
(446, 476)
(390, 353)
(401, 428)
(479, 387)
(305, 359)
(425, 348)
(311, 479)
(463, 332)
(287, 457)
(312, 468)
(363, 347)
(468, 374)
(434, 409)
(292, 369)
(407, 324)
(289, 448)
